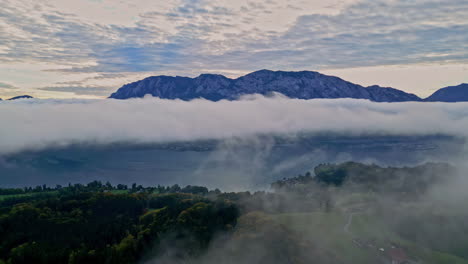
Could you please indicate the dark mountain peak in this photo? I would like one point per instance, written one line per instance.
(266, 73)
(389, 94)
(458, 93)
(297, 84)
(21, 97)
(260, 72)
(211, 76)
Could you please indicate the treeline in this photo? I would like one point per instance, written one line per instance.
(99, 186)
(104, 223)
(85, 226)
(374, 178)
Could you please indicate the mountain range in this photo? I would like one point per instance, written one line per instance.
(301, 85)
(19, 97)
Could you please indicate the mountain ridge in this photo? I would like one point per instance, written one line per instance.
(297, 84)
(18, 97)
(21, 97)
(457, 93)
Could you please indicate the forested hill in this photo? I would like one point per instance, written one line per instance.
(383, 179)
(345, 213)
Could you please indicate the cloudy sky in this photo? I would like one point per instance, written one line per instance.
(89, 48)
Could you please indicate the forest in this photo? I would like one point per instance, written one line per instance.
(333, 214)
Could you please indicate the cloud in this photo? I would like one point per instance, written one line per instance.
(80, 90)
(191, 37)
(35, 124)
(7, 86)
(8, 90)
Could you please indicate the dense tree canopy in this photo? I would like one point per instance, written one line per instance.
(96, 226)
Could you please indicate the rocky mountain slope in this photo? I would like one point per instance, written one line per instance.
(302, 85)
(457, 93)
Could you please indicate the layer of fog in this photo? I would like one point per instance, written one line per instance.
(37, 124)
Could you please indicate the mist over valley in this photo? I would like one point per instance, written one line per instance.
(227, 132)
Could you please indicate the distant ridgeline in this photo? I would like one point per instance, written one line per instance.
(450, 94)
(19, 97)
(301, 85)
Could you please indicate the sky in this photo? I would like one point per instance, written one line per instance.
(89, 48)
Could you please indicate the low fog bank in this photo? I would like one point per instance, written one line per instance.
(39, 124)
(231, 145)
